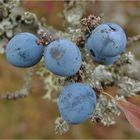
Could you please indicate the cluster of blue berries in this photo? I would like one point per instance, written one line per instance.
(62, 57)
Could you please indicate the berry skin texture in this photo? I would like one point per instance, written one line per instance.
(107, 39)
(76, 103)
(62, 57)
(104, 60)
(23, 51)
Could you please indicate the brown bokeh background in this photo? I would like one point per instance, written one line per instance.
(33, 117)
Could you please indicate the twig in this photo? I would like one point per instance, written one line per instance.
(133, 39)
(108, 95)
(24, 91)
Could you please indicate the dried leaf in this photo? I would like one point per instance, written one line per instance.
(131, 111)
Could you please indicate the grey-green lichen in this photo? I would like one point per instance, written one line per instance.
(105, 111)
(61, 126)
(128, 87)
(14, 19)
(51, 84)
(103, 76)
(73, 12)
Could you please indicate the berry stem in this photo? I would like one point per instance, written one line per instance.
(39, 42)
(107, 94)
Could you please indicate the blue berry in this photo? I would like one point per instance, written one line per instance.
(107, 39)
(76, 103)
(62, 57)
(23, 51)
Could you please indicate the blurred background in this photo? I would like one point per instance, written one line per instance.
(33, 117)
